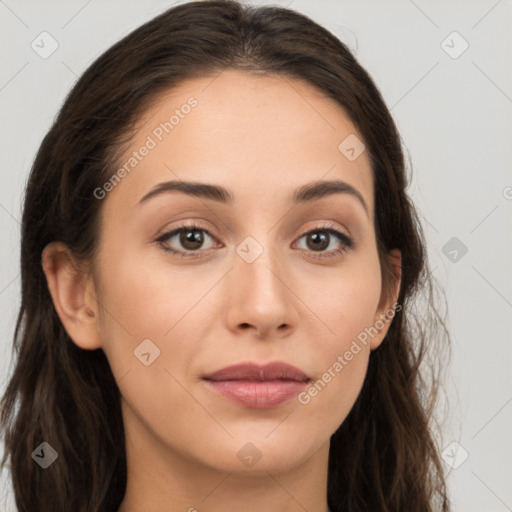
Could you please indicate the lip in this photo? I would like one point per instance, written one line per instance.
(258, 387)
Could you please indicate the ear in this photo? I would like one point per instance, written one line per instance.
(387, 304)
(73, 295)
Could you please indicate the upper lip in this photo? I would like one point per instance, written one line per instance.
(251, 371)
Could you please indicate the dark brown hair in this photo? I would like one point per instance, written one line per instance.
(384, 456)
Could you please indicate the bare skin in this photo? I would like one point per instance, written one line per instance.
(261, 138)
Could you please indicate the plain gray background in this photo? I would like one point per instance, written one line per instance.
(454, 112)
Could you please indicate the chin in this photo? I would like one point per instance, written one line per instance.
(260, 455)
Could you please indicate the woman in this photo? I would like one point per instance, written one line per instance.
(219, 266)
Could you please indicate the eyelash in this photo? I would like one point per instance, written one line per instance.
(346, 242)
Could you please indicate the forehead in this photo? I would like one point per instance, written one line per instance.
(256, 135)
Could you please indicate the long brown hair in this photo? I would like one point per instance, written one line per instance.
(384, 457)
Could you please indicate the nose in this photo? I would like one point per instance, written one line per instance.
(262, 299)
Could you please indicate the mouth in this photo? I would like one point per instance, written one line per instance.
(253, 372)
(258, 387)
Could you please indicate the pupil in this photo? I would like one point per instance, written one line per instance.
(322, 238)
(192, 239)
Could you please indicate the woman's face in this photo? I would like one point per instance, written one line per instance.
(248, 284)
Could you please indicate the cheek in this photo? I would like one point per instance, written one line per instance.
(144, 301)
(144, 296)
(346, 304)
(329, 398)
(346, 300)
(136, 304)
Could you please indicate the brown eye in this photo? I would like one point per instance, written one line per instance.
(191, 239)
(318, 240)
(185, 239)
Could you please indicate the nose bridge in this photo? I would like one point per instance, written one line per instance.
(259, 265)
(260, 295)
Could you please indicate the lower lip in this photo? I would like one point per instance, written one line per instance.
(255, 394)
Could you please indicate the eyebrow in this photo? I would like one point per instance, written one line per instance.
(306, 193)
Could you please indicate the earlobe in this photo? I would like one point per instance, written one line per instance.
(386, 310)
(73, 295)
